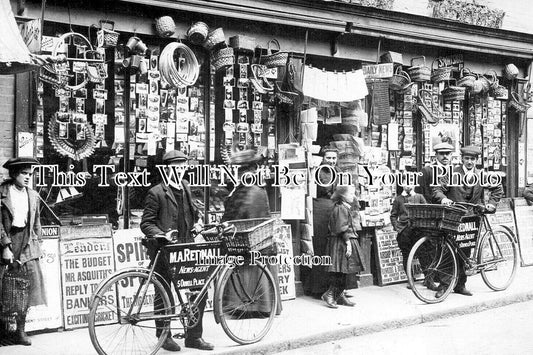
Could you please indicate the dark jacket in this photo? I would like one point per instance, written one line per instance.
(246, 202)
(161, 210)
(398, 215)
(528, 194)
(31, 248)
(468, 194)
(425, 181)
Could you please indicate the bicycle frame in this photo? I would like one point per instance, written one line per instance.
(471, 263)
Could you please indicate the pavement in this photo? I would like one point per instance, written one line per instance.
(307, 321)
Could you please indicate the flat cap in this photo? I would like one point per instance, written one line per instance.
(174, 155)
(20, 161)
(471, 150)
(443, 147)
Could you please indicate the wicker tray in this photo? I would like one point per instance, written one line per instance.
(430, 216)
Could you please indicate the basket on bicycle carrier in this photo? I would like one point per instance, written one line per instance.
(447, 218)
(255, 234)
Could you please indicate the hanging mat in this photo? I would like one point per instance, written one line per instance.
(380, 102)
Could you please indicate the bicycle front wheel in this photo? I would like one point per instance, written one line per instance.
(246, 303)
(432, 269)
(121, 318)
(498, 259)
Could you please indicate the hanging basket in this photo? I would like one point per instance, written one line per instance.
(107, 37)
(440, 74)
(454, 93)
(400, 80)
(214, 38)
(429, 114)
(222, 58)
(510, 72)
(165, 26)
(419, 72)
(277, 59)
(466, 79)
(198, 32)
(517, 104)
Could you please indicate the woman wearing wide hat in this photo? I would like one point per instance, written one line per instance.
(20, 236)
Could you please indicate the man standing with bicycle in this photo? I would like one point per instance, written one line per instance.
(170, 207)
(447, 194)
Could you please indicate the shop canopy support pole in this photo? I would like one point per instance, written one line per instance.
(126, 196)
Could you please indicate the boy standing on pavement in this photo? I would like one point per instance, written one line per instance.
(407, 236)
(447, 194)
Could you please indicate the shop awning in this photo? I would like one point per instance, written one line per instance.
(333, 16)
(14, 55)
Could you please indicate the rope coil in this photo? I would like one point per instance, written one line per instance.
(187, 70)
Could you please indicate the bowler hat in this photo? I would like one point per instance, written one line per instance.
(443, 147)
(20, 161)
(471, 150)
(174, 155)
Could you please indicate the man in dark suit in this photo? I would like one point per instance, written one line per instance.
(170, 207)
(443, 152)
(447, 193)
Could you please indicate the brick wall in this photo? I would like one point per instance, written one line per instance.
(7, 120)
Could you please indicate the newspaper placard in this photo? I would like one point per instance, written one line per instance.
(287, 287)
(523, 215)
(48, 316)
(84, 263)
(388, 257)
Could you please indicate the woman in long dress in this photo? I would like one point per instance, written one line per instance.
(20, 231)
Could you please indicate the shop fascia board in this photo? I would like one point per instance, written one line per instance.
(333, 16)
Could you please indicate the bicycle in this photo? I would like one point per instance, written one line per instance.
(434, 257)
(125, 301)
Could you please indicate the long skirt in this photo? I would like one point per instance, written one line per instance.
(254, 282)
(317, 281)
(32, 268)
(336, 248)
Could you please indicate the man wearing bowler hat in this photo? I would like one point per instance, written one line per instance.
(446, 194)
(443, 153)
(170, 207)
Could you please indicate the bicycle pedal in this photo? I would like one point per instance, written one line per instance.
(179, 336)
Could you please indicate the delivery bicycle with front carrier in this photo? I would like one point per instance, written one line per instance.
(122, 315)
(448, 235)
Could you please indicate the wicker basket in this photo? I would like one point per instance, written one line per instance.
(510, 71)
(223, 58)
(419, 72)
(466, 79)
(278, 59)
(440, 74)
(165, 26)
(15, 293)
(517, 104)
(400, 80)
(254, 234)
(486, 83)
(214, 38)
(454, 93)
(198, 32)
(107, 37)
(446, 218)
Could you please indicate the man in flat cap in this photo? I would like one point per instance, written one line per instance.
(447, 194)
(171, 207)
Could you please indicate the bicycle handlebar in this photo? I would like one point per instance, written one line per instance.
(478, 208)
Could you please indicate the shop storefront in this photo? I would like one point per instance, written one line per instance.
(286, 79)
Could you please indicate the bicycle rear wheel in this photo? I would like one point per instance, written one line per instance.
(127, 313)
(246, 303)
(498, 259)
(431, 261)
